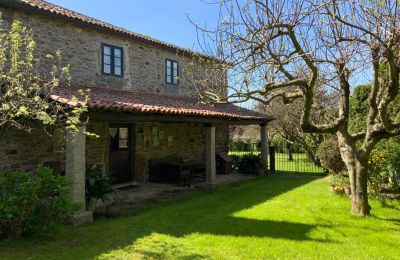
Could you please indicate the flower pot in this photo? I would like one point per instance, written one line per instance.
(347, 190)
(113, 210)
(337, 189)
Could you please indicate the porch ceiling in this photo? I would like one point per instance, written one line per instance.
(156, 104)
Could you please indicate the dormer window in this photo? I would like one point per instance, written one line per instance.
(171, 72)
(112, 60)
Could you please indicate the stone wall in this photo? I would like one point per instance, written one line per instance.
(154, 141)
(143, 65)
(20, 150)
(97, 146)
(177, 140)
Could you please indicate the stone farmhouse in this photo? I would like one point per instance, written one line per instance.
(140, 104)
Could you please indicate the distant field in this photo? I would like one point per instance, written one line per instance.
(299, 164)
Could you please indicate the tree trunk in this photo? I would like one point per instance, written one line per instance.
(359, 195)
(289, 151)
(357, 166)
(308, 149)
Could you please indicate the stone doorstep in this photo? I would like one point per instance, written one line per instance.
(81, 218)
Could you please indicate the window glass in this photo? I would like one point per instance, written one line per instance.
(171, 72)
(107, 50)
(117, 53)
(118, 138)
(112, 60)
(117, 71)
(107, 68)
(123, 133)
(123, 144)
(107, 59)
(123, 138)
(117, 62)
(113, 139)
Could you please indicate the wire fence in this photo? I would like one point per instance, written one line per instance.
(280, 161)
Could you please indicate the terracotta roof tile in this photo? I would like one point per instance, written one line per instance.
(44, 7)
(138, 102)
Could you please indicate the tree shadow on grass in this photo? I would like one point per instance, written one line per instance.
(243, 227)
(395, 221)
(385, 204)
(205, 213)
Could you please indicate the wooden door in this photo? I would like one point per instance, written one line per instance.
(120, 153)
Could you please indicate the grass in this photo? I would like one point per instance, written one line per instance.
(278, 216)
(300, 162)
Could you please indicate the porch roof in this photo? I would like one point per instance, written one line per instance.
(118, 100)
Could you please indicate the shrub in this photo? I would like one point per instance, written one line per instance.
(329, 154)
(249, 164)
(32, 202)
(98, 185)
(384, 168)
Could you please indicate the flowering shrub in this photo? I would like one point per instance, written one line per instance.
(340, 184)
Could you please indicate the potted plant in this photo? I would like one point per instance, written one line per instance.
(98, 188)
(347, 190)
(114, 209)
(340, 184)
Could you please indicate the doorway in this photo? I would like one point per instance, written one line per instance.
(120, 155)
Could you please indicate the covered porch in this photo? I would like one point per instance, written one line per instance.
(135, 128)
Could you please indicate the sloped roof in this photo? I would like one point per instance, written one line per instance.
(111, 99)
(52, 10)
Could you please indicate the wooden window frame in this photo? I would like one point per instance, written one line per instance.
(172, 72)
(112, 60)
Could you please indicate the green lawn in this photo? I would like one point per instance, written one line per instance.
(300, 162)
(279, 216)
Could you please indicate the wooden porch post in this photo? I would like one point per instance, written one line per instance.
(264, 147)
(210, 154)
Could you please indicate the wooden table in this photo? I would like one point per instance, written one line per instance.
(184, 171)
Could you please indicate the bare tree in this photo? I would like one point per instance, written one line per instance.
(286, 127)
(293, 49)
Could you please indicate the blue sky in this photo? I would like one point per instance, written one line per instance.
(162, 19)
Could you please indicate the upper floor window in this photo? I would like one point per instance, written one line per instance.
(112, 60)
(171, 72)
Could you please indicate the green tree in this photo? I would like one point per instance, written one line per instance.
(383, 162)
(25, 94)
(359, 108)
